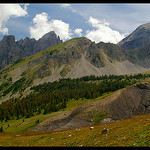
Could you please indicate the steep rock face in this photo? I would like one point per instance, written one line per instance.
(47, 40)
(138, 38)
(10, 50)
(94, 56)
(79, 57)
(27, 47)
(131, 101)
(61, 60)
(113, 51)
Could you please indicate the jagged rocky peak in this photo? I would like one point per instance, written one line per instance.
(8, 39)
(50, 35)
(27, 40)
(138, 38)
(24, 47)
(47, 40)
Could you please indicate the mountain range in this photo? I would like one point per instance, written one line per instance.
(50, 59)
(10, 50)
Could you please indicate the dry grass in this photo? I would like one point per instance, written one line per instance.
(129, 132)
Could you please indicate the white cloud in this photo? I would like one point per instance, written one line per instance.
(78, 31)
(7, 11)
(42, 26)
(25, 7)
(103, 32)
(65, 5)
(68, 6)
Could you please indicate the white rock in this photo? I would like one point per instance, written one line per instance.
(69, 135)
(91, 128)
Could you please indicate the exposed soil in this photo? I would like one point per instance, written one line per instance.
(122, 104)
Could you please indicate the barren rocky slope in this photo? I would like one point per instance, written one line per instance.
(125, 103)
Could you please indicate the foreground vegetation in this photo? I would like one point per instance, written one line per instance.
(52, 97)
(129, 132)
(23, 124)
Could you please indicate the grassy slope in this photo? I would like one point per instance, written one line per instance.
(129, 132)
(20, 126)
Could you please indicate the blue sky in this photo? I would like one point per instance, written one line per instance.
(105, 22)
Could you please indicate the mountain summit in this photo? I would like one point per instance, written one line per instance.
(138, 38)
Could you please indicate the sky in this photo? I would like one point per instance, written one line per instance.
(106, 22)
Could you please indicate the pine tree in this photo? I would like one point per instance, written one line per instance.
(1, 129)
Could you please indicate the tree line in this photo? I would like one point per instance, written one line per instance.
(53, 96)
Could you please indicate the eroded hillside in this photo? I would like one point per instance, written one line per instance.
(124, 103)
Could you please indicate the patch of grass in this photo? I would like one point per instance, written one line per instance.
(24, 73)
(23, 124)
(20, 84)
(98, 117)
(3, 85)
(17, 61)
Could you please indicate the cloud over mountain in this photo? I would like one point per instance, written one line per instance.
(42, 25)
(102, 32)
(78, 31)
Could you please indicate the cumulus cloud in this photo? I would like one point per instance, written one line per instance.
(7, 11)
(78, 31)
(103, 32)
(42, 26)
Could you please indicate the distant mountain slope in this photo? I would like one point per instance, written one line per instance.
(10, 50)
(138, 38)
(113, 51)
(74, 58)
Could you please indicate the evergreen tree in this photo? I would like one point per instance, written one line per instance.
(1, 129)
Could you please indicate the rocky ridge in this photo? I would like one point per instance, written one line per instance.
(10, 50)
(138, 38)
